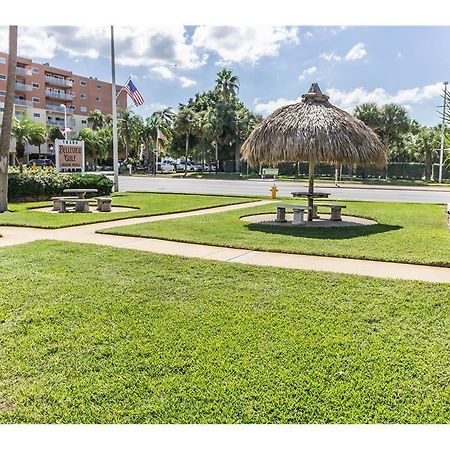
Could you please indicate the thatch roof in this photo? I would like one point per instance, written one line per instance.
(313, 130)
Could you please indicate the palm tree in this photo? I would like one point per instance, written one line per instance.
(186, 123)
(370, 114)
(424, 144)
(167, 117)
(22, 130)
(125, 128)
(5, 138)
(95, 144)
(213, 130)
(38, 135)
(96, 120)
(54, 133)
(227, 84)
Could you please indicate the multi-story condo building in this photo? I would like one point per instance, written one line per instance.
(45, 94)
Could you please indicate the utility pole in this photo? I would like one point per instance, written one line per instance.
(114, 114)
(441, 153)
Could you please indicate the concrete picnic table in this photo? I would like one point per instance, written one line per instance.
(80, 192)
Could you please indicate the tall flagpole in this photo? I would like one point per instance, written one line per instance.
(114, 115)
(441, 152)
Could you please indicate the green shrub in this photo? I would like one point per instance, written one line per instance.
(41, 184)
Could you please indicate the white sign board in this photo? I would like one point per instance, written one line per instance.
(69, 155)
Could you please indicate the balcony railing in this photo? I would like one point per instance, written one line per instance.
(60, 95)
(21, 102)
(56, 108)
(23, 87)
(23, 71)
(60, 123)
(58, 81)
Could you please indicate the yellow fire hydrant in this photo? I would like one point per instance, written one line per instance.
(274, 191)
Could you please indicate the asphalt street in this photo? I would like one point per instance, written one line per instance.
(262, 188)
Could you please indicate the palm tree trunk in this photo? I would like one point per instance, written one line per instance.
(237, 158)
(428, 165)
(217, 156)
(5, 138)
(186, 151)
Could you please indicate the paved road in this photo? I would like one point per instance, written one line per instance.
(262, 187)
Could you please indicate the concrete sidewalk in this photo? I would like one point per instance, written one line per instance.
(86, 234)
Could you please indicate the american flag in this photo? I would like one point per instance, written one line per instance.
(161, 136)
(134, 94)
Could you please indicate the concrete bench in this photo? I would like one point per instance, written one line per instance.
(299, 211)
(81, 205)
(57, 205)
(104, 204)
(335, 210)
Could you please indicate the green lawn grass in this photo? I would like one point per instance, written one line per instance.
(147, 204)
(92, 334)
(415, 233)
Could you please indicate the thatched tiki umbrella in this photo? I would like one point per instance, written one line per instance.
(316, 131)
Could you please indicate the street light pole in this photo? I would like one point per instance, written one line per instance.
(65, 120)
(441, 153)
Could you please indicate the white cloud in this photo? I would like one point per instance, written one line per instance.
(308, 35)
(134, 46)
(163, 72)
(358, 51)
(269, 107)
(186, 82)
(243, 44)
(349, 99)
(167, 74)
(31, 42)
(308, 72)
(330, 56)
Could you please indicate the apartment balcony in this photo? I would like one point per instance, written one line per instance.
(21, 102)
(58, 95)
(23, 87)
(23, 71)
(58, 81)
(56, 108)
(60, 123)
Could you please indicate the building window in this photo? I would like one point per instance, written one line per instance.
(83, 108)
(2, 76)
(36, 85)
(83, 83)
(2, 60)
(2, 93)
(83, 122)
(98, 99)
(72, 94)
(35, 70)
(99, 86)
(83, 96)
(36, 100)
(1, 109)
(19, 113)
(36, 115)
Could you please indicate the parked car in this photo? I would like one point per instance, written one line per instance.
(165, 168)
(206, 167)
(40, 163)
(181, 166)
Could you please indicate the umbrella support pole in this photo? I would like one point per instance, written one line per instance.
(311, 192)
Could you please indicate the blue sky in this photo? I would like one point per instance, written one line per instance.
(275, 64)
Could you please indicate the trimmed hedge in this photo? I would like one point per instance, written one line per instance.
(411, 171)
(41, 184)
